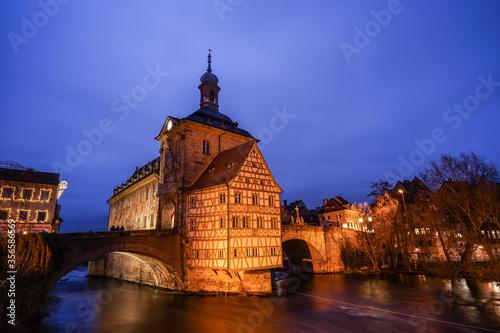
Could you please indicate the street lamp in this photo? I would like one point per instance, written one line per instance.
(404, 203)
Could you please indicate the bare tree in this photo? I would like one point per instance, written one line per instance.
(465, 197)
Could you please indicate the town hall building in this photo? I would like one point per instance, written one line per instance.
(211, 184)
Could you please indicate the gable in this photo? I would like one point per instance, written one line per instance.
(255, 164)
(165, 126)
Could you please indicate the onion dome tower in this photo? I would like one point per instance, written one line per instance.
(209, 90)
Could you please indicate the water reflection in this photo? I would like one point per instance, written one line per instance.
(325, 303)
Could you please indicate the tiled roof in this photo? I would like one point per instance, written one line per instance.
(29, 176)
(224, 167)
(140, 173)
(214, 118)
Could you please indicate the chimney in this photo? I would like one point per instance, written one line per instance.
(324, 202)
(285, 203)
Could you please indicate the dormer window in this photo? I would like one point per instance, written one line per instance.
(211, 170)
(230, 165)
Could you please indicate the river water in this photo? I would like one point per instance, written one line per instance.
(320, 303)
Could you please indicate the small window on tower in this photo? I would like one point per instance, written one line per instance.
(212, 96)
(206, 147)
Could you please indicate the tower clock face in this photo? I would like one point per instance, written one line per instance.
(169, 125)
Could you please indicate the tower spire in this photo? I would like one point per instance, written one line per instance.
(209, 69)
(209, 89)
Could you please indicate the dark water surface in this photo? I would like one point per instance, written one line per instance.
(322, 303)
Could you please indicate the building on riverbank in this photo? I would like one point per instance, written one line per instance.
(29, 198)
(212, 185)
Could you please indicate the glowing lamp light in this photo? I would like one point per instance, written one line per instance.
(24, 232)
(370, 219)
(344, 225)
(360, 219)
(480, 247)
(400, 191)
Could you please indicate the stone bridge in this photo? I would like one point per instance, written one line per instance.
(157, 251)
(314, 249)
(155, 257)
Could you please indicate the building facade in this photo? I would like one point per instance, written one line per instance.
(212, 185)
(30, 199)
(134, 204)
(338, 212)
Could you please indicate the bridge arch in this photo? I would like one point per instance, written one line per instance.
(155, 254)
(302, 255)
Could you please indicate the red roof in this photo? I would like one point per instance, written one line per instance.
(224, 167)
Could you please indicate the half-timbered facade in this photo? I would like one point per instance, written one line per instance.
(233, 214)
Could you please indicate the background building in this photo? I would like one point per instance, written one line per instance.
(29, 198)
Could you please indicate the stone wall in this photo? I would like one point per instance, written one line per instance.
(220, 282)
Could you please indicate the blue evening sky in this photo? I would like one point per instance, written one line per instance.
(342, 93)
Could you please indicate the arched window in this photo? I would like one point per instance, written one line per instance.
(212, 96)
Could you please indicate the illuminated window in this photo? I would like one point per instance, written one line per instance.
(193, 202)
(222, 224)
(235, 222)
(154, 189)
(27, 194)
(222, 198)
(237, 198)
(206, 147)
(7, 192)
(211, 170)
(416, 231)
(246, 224)
(41, 216)
(4, 214)
(44, 195)
(23, 215)
(255, 199)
